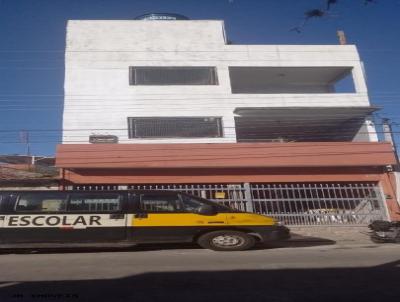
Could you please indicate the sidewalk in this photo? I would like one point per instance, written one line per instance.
(331, 234)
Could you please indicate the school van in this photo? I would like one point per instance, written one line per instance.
(43, 219)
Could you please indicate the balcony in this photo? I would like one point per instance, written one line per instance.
(299, 124)
(292, 80)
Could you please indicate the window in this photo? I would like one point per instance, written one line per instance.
(160, 203)
(41, 202)
(163, 127)
(2, 201)
(95, 202)
(172, 76)
(191, 204)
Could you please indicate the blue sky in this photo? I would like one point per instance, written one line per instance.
(32, 35)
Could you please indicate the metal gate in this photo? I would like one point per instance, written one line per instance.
(292, 203)
(319, 203)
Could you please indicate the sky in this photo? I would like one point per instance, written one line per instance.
(32, 43)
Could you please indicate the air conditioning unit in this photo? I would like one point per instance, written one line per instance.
(103, 139)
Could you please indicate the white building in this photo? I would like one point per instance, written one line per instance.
(179, 81)
(157, 86)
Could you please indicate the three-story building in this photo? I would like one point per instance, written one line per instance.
(278, 129)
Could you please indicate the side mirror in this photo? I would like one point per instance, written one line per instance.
(207, 210)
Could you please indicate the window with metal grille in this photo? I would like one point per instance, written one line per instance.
(173, 75)
(163, 127)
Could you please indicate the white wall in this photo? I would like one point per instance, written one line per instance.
(99, 53)
(367, 132)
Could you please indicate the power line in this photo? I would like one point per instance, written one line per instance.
(199, 157)
(242, 103)
(167, 96)
(161, 60)
(188, 105)
(142, 109)
(251, 126)
(254, 120)
(249, 134)
(248, 49)
(197, 93)
(166, 143)
(292, 138)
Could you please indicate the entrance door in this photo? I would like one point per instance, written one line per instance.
(96, 217)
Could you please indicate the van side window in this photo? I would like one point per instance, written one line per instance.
(41, 202)
(160, 203)
(191, 204)
(92, 202)
(1, 202)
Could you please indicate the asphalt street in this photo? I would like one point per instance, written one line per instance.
(298, 273)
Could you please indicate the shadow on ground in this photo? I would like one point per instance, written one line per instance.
(298, 241)
(301, 241)
(378, 283)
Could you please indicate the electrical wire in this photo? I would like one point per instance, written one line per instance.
(206, 157)
(274, 49)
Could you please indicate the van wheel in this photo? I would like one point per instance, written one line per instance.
(226, 241)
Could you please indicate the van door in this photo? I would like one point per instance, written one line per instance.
(97, 216)
(165, 217)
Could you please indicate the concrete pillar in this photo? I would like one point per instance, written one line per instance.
(360, 85)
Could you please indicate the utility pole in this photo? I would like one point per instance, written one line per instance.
(388, 136)
(24, 138)
(342, 37)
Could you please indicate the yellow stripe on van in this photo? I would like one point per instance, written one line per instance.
(191, 219)
(249, 219)
(179, 219)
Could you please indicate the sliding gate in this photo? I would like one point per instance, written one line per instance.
(292, 203)
(319, 203)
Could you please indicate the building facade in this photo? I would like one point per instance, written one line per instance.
(173, 103)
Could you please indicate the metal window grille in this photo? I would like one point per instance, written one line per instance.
(163, 127)
(173, 75)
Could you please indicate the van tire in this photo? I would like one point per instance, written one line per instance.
(226, 241)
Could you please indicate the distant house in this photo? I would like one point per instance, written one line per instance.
(17, 173)
(284, 130)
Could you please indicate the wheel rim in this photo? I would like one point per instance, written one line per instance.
(228, 241)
